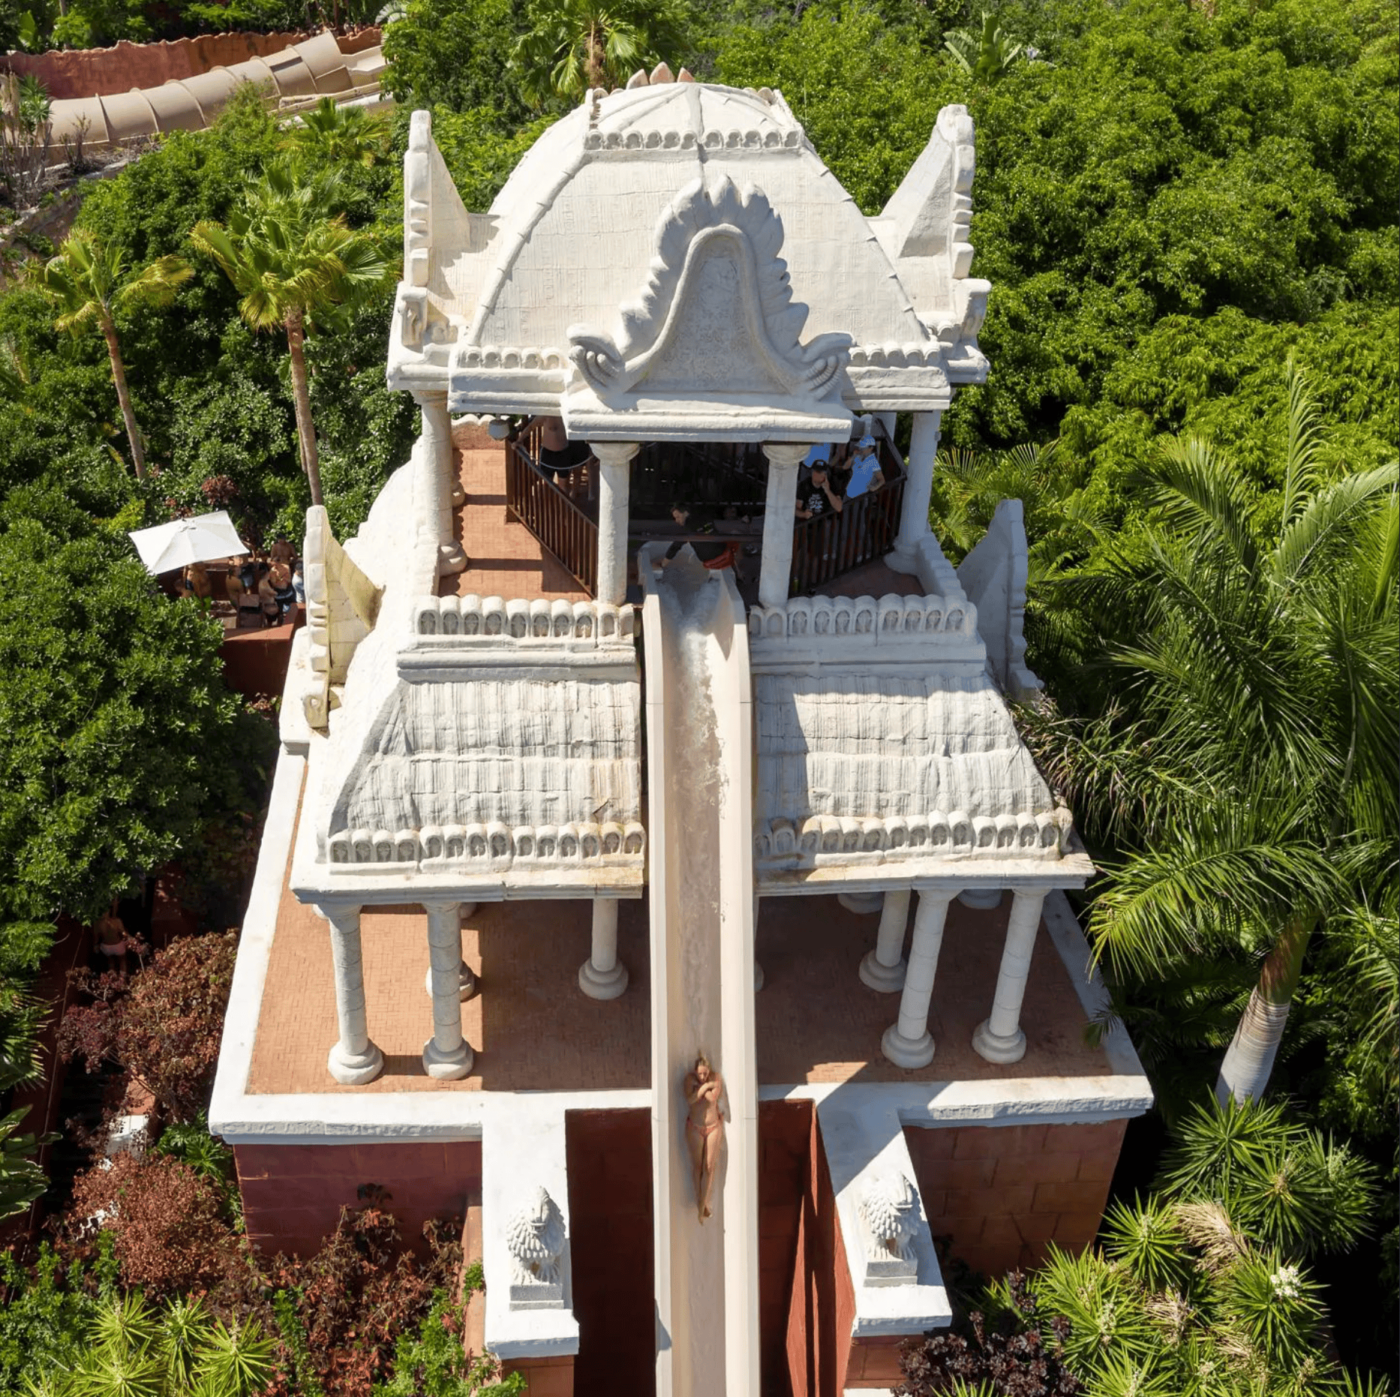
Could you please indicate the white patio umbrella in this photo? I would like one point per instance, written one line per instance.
(185, 541)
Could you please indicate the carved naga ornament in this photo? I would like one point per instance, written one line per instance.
(718, 300)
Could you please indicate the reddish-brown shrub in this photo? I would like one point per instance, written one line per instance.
(163, 1024)
(362, 1291)
(169, 1237)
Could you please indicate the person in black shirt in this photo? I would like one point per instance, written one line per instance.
(693, 523)
(817, 495)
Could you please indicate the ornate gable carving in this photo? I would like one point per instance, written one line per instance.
(717, 311)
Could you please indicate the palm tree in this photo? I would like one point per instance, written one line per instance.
(571, 46)
(89, 283)
(293, 261)
(332, 135)
(985, 55)
(1252, 758)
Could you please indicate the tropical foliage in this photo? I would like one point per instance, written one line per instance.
(1249, 762)
(89, 284)
(570, 47)
(294, 260)
(1199, 1291)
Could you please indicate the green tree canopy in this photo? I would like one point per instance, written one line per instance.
(114, 719)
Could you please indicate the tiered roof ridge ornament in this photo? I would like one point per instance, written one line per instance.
(652, 217)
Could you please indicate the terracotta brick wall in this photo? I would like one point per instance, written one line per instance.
(1002, 1193)
(293, 1194)
(823, 1305)
(874, 1362)
(255, 661)
(546, 1377)
(610, 1216)
(102, 72)
(784, 1141)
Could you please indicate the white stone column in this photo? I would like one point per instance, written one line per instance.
(883, 968)
(779, 516)
(614, 490)
(757, 968)
(466, 979)
(602, 975)
(354, 1060)
(862, 904)
(999, 1038)
(446, 1055)
(907, 1043)
(918, 486)
(437, 443)
(983, 899)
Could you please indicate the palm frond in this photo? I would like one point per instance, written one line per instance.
(1221, 885)
(1204, 497)
(1326, 518)
(1300, 472)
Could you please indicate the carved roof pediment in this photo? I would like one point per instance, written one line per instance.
(716, 315)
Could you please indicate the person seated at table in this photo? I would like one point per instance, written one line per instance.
(559, 457)
(691, 521)
(299, 581)
(267, 597)
(248, 571)
(196, 581)
(865, 472)
(279, 575)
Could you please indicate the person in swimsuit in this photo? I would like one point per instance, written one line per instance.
(559, 457)
(704, 1129)
(111, 938)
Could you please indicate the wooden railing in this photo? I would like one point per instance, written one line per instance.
(556, 521)
(710, 476)
(825, 547)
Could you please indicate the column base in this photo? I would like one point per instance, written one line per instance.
(995, 1048)
(757, 977)
(862, 904)
(905, 560)
(447, 1067)
(451, 558)
(602, 984)
(466, 981)
(904, 1052)
(355, 1069)
(985, 899)
(884, 979)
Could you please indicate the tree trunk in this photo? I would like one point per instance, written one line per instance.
(1249, 1060)
(594, 62)
(133, 432)
(301, 396)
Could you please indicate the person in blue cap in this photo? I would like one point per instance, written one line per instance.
(864, 468)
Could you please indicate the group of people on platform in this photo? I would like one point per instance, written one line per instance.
(832, 474)
(275, 579)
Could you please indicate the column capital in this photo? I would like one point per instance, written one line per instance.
(442, 907)
(431, 398)
(338, 914)
(614, 453)
(787, 454)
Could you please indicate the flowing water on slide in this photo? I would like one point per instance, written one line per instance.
(694, 607)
